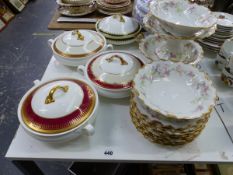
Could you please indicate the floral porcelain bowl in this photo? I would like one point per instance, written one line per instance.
(182, 18)
(158, 47)
(175, 90)
(59, 109)
(76, 47)
(152, 25)
(112, 73)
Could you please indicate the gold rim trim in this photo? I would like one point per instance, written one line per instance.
(73, 123)
(66, 55)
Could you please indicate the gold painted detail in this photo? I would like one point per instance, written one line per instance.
(49, 99)
(111, 59)
(78, 34)
(120, 17)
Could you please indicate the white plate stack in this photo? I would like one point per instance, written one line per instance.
(223, 32)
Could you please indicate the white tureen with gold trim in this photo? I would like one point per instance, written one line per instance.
(76, 47)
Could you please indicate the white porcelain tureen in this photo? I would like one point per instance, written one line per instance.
(76, 47)
(175, 90)
(182, 18)
(119, 29)
(112, 72)
(59, 109)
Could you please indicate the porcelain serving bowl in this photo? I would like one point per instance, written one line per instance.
(175, 90)
(152, 25)
(112, 72)
(59, 109)
(77, 10)
(159, 47)
(182, 18)
(76, 47)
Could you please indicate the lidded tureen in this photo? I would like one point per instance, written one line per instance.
(112, 72)
(59, 109)
(118, 29)
(171, 102)
(75, 47)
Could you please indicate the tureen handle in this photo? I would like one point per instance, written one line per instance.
(110, 47)
(89, 130)
(50, 42)
(81, 69)
(49, 99)
(120, 16)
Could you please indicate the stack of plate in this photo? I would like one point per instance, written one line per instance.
(118, 29)
(224, 31)
(171, 102)
(141, 8)
(76, 7)
(111, 7)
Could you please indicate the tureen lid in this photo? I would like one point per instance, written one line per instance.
(175, 90)
(114, 69)
(58, 106)
(78, 43)
(118, 25)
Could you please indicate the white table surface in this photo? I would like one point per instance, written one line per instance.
(115, 132)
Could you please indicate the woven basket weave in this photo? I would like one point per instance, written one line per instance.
(156, 132)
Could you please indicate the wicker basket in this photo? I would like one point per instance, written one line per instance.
(155, 131)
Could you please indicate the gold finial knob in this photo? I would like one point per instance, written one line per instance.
(78, 35)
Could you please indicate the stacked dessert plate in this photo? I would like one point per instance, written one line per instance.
(223, 32)
(111, 7)
(171, 102)
(76, 7)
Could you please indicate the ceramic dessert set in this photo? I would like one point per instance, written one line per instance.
(165, 121)
(76, 7)
(112, 7)
(119, 29)
(223, 32)
(171, 100)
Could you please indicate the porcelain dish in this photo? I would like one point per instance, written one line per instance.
(152, 25)
(182, 18)
(76, 47)
(76, 2)
(59, 109)
(183, 91)
(77, 10)
(112, 7)
(159, 47)
(112, 72)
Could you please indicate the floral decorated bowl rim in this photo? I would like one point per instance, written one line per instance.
(183, 25)
(166, 37)
(167, 114)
